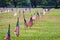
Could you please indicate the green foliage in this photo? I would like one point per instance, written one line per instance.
(15, 3)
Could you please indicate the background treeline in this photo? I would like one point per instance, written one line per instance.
(29, 3)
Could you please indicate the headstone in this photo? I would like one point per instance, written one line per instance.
(15, 14)
(44, 11)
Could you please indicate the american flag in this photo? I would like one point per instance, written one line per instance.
(30, 23)
(16, 30)
(8, 34)
(25, 23)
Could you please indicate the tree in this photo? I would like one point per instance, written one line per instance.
(2, 3)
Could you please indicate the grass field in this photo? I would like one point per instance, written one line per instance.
(46, 28)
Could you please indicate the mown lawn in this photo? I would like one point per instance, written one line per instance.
(46, 28)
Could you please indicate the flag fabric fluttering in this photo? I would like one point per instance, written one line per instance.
(25, 23)
(16, 30)
(30, 23)
(8, 34)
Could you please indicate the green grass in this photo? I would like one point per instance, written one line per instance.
(46, 28)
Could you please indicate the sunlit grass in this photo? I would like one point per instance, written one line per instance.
(46, 28)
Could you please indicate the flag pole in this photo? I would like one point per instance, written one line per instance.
(7, 37)
(16, 30)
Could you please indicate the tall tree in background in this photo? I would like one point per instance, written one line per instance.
(33, 3)
(14, 2)
(44, 1)
(2, 3)
(57, 3)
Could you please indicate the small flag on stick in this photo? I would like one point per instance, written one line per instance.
(30, 23)
(8, 34)
(25, 23)
(16, 30)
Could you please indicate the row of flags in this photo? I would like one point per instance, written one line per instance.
(16, 31)
(34, 17)
(27, 24)
(30, 23)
